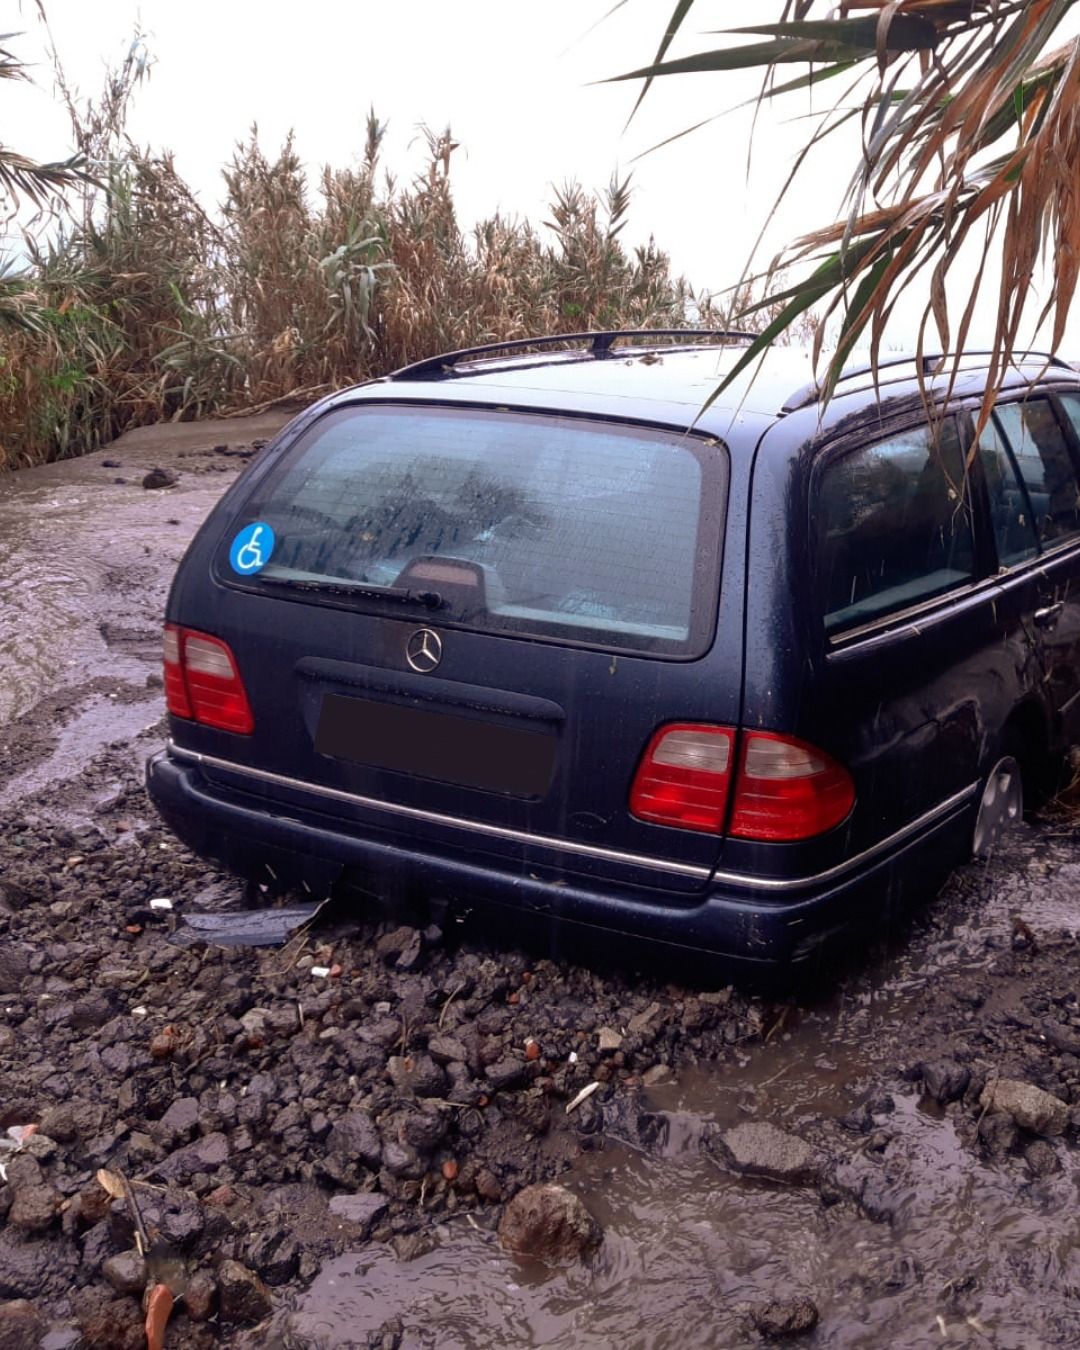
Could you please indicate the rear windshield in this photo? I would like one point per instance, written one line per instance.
(551, 526)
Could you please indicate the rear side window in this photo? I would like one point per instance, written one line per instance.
(893, 526)
(579, 530)
(1071, 404)
(1010, 507)
(1047, 477)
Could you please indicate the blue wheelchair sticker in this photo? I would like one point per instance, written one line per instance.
(251, 549)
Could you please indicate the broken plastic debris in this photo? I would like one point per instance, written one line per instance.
(158, 1307)
(140, 1011)
(320, 972)
(582, 1095)
(161, 902)
(245, 928)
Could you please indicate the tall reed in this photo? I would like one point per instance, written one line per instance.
(138, 305)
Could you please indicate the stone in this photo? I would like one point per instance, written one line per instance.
(34, 1208)
(1030, 1107)
(180, 1121)
(945, 1081)
(355, 1138)
(642, 1021)
(183, 1225)
(447, 1050)
(242, 1295)
(391, 945)
(126, 1273)
(659, 1073)
(21, 1325)
(1041, 1158)
(424, 1130)
(758, 1149)
(363, 1209)
(506, 1074)
(160, 478)
(779, 1320)
(607, 1039)
(275, 1255)
(401, 1160)
(200, 1297)
(418, 1074)
(999, 1134)
(548, 1223)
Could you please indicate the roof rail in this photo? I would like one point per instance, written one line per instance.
(600, 345)
(808, 394)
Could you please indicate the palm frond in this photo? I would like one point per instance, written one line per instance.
(971, 130)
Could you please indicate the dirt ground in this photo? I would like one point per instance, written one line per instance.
(318, 1140)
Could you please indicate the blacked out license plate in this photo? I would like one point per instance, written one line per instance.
(445, 746)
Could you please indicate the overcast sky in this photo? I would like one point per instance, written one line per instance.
(517, 82)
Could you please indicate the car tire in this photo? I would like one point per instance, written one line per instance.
(1001, 795)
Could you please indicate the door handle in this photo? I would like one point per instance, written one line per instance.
(1048, 616)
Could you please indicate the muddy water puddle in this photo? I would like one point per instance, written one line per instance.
(86, 559)
(687, 1247)
(70, 560)
(959, 1250)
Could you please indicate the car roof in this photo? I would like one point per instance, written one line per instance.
(670, 385)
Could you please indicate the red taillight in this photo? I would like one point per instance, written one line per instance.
(176, 695)
(787, 790)
(202, 681)
(684, 777)
(784, 790)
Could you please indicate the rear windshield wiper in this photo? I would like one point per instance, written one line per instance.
(401, 594)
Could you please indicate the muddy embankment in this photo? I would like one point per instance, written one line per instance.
(321, 1140)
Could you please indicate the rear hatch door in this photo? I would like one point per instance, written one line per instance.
(462, 625)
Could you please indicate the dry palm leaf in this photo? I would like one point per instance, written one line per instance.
(970, 130)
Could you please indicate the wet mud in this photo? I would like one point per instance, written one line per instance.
(319, 1139)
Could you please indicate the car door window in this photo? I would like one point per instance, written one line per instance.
(1010, 508)
(894, 526)
(1046, 469)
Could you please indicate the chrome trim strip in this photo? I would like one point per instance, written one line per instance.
(586, 850)
(882, 846)
(437, 818)
(1069, 702)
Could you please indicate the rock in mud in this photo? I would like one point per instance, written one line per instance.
(355, 1138)
(548, 1223)
(21, 1325)
(34, 1208)
(758, 1149)
(242, 1295)
(999, 1135)
(160, 478)
(126, 1273)
(1030, 1107)
(779, 1320)
(1041, 1158)
(945, 1081)
(418, 1074)
(362, 1209)
(275, 1255)
(200, 1297)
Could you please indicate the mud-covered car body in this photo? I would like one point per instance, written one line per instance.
(536, 631)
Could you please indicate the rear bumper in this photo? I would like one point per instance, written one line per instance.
(743, 920)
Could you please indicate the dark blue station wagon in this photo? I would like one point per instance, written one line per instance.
(531, 630)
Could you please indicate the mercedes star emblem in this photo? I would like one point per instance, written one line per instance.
(423, 651)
